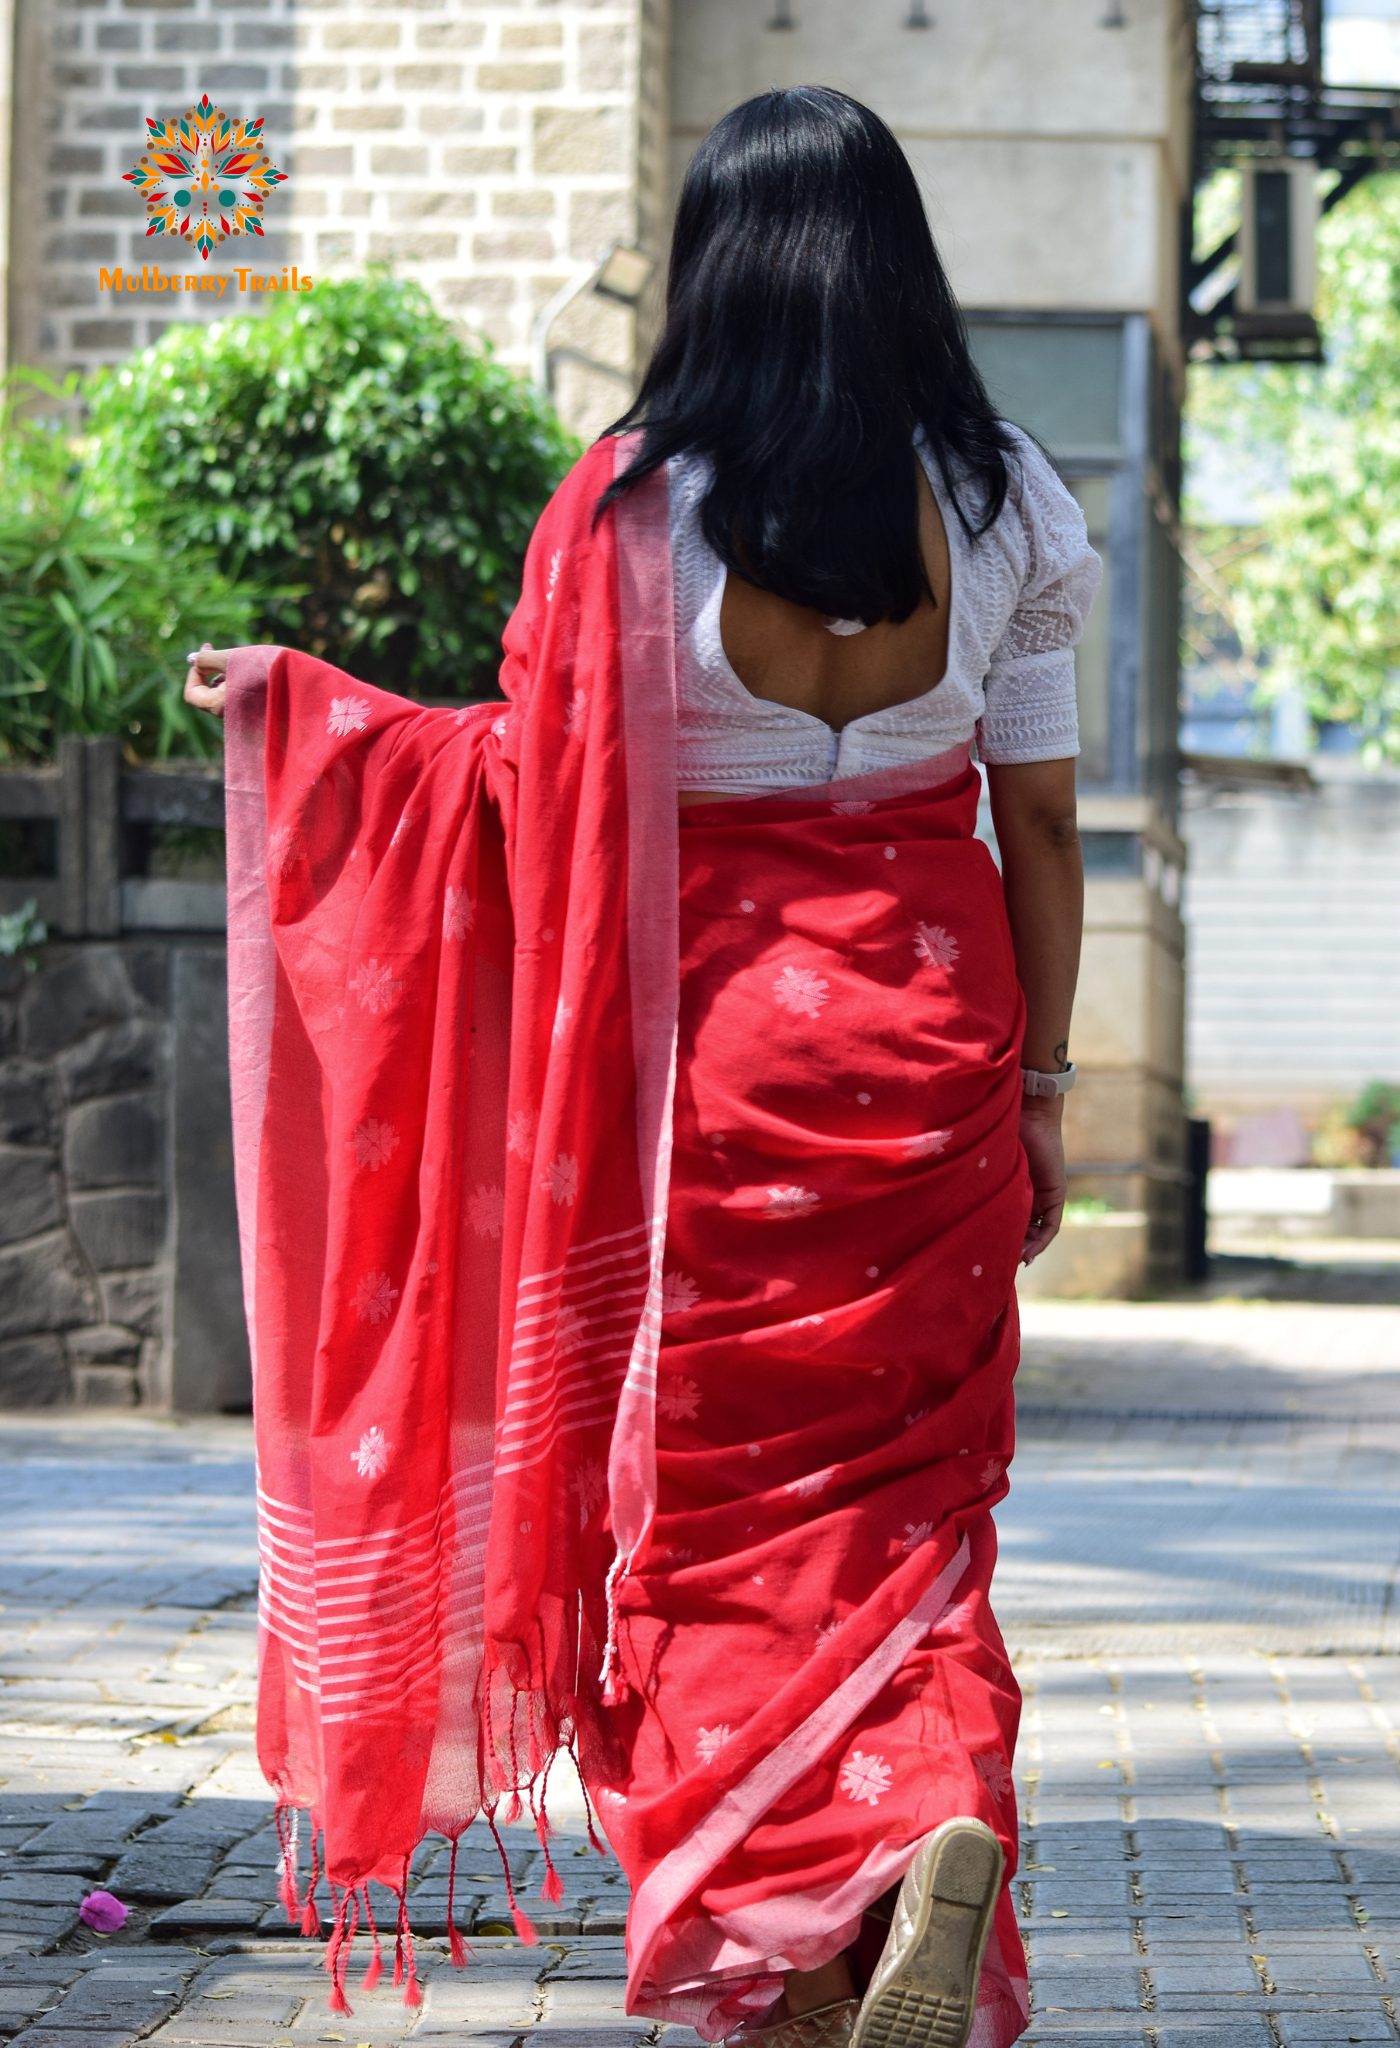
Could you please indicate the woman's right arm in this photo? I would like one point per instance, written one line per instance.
(205, 687)
(1043, 876)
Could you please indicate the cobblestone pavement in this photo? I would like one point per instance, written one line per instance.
(1199, 1557)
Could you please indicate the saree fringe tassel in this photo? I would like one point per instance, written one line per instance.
(523, 1927)
(374, 1969)
(286, 1820)
(552, 1888)
(311, 1918)
(347, 1920)
(405, 1966)
(456, 1945)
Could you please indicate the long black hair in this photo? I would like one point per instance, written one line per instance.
(810, 330)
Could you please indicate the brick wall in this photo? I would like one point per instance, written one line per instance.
(493, 151)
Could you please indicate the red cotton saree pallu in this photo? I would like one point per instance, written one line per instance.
(630, 1214)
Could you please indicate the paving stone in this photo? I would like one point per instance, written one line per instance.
(21, 2002)
(97, 2002)
(111, 1616)
(614, 2034)
(1106, 1991)
(606, 1917)
(1164, 1883)
(34, 1969)
(275, 1922)
(103, 1825)
(49, 2036)
(591, 1958)
(1270, 1915)
(1197, 1927)
(156, 1874)
(1329, 2030)
(241, 2006)
(572, 1999)
(1321, 1972)
(1081, 2030)
(260, 1851)
(207, 1916)
(1244, 2030)
(31, 1887)
(1194, 1973)
(260, 1885)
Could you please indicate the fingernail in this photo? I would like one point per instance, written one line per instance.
(193, 655)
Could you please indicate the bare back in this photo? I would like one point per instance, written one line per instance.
(783, 652)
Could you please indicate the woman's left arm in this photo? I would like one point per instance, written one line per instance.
(1043, 877)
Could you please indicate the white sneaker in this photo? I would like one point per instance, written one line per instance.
(924, 1990)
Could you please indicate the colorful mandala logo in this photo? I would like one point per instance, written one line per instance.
(204, 176)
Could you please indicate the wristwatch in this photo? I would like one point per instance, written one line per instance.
(1034, 1083)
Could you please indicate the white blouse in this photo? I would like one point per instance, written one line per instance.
(1019, 599)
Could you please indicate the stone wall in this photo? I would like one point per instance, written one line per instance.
(494, 151)
(119, 1278)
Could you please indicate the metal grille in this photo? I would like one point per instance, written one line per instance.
(1231, 32)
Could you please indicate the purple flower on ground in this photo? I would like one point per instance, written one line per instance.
(102, 1913)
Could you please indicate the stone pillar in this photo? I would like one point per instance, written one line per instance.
(209, 1365)
(1125, 1117)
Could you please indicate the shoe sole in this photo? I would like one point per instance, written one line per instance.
(931, 2001)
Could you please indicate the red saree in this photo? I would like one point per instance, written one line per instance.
(467, 1032)
(816, 1677)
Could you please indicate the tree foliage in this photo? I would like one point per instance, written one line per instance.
(375, 473)
(95, 616)
(1316, 601)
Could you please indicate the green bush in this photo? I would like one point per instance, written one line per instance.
(95, 616)
(376, 474)
(1375, 1117)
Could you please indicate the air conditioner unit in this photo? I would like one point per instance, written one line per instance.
(1278, 236)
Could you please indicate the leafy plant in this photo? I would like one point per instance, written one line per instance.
(95, 616)
(377, 474)
(1336, 1144)
(1375, 1117)
(1314, 592)
(22, 933)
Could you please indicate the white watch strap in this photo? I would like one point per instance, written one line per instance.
(1035, 1083)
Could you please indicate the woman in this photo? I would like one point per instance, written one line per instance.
(641, 1382)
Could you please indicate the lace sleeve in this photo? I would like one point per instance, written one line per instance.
(1030, 712)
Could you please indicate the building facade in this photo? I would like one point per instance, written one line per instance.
(496, 149)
